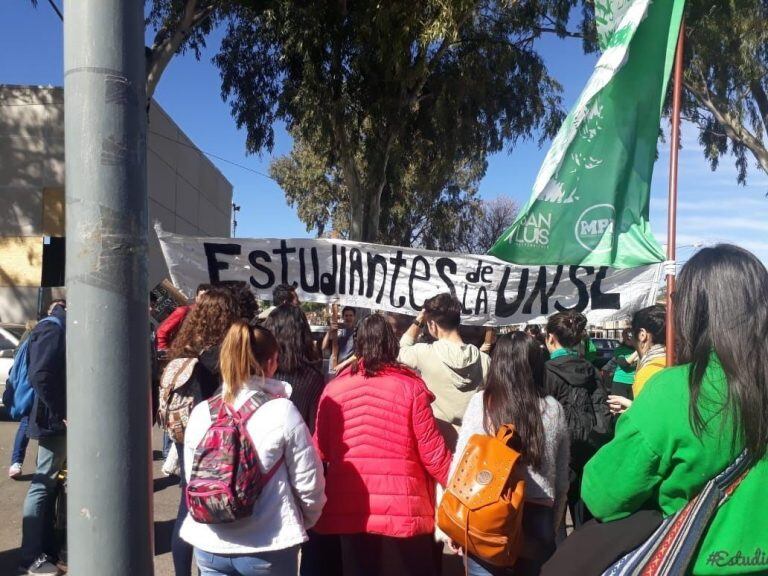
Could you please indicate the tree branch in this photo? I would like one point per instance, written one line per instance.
(165, 45)
(734, 128)
(761, 98)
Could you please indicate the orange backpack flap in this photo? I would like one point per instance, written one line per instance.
(482, 508)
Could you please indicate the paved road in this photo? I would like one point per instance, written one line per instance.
(12, 493)
(166, 501)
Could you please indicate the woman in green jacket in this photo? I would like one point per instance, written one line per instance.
(694, 419)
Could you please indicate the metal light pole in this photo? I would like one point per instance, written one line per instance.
(677, 90)
(235, 210)
(109, 516)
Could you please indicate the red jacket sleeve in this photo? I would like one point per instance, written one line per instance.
(433, 451)
(320, 436)
(167, 330)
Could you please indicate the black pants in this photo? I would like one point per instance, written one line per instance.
(180, 550)
(579, 511)
(376, 555)
(321, 555)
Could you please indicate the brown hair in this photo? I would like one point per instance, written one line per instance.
(445, 310)
(375, 345)
(244, 354)
(568, 327)
(206, 324)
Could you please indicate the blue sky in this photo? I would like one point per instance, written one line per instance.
(712, 206)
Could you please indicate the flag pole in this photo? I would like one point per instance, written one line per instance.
(677, 89)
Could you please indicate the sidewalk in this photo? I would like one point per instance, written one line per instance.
(166, 502)
(13, 493)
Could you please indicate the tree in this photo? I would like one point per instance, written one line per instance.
(417, 209)
(495, 216)
(179, 25)
(377, 93)
(726, 79)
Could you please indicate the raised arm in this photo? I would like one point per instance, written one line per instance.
(408, 351)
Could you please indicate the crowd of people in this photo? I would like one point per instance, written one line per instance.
(349, 463)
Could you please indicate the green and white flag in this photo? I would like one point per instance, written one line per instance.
(590, 200)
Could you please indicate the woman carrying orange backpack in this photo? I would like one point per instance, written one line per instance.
(514, 394)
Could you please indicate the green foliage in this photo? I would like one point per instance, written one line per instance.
(394, 107)
(726, 79)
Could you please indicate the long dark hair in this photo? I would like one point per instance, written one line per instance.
(291, 329)
(567, 327)
(721, 306)
(375, 345)
(514, 386)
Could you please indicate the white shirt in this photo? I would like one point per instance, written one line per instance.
(293, 498)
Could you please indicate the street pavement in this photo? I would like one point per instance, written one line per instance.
(166, 501)
(12, 493)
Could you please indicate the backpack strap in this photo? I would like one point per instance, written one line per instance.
(505, 433)
(180, 367)
(55, 319)
(215, 404)
(256, 401)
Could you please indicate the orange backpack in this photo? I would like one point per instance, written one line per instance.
(482, 508)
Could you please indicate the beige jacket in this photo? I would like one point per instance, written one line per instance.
(452, 372)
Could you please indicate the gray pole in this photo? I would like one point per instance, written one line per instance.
(109, 516)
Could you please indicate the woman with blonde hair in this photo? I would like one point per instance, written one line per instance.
(267, 541)
(199, 337)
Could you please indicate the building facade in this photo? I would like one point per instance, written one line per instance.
(187, 195)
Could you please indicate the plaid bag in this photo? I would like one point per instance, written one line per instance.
(672, 547)
(179, 394)
(226, 480)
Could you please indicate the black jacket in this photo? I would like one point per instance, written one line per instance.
(48, 377)
(207, 372)
(307, 385)
(577, 385)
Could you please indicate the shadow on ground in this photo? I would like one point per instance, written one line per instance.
(163, 533)
(9, 562)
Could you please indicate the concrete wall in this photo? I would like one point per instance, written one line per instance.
(187, 193)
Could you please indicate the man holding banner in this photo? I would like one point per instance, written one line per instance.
(452, 369)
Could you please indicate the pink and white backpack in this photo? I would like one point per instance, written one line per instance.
(226, 480)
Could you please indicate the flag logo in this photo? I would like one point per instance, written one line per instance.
(595, 228)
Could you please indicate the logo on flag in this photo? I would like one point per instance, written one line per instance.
(590, 201)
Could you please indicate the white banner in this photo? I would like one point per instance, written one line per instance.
(492, 292)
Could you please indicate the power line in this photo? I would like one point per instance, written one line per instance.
(56, 9)
(174, 140)
(212, 155)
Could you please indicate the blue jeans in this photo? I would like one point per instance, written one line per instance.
(479, 568)
(275, 563)
(167, 443)
(20, 442)
(37, 526)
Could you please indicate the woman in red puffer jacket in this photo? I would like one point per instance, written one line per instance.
(383, 453)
